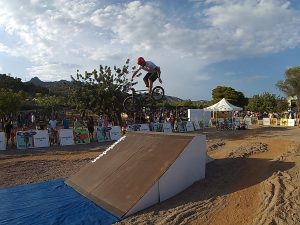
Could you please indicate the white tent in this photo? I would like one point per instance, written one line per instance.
(223, 106)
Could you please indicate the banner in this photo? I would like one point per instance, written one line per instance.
(273, 122)
(181, 127)
(291, 122)
(247, 120)
(189, 126)
(66, 137)
(41, 139)
(167, 127)
(25, 139)
(266, 121)
(2, 141)
(115, 133)
(156, 127)
(139, 127)
(254, 120)
(81, 135)
(103, 134)
(196, 125)
(283, 122)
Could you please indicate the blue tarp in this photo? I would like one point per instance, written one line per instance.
(50, 202)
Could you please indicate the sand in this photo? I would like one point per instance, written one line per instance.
(253, 179)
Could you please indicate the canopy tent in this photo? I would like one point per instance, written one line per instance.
(223, 106)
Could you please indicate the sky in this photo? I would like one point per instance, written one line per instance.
(199, 44)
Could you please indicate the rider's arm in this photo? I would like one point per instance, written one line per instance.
(158, 73)
(135, 73)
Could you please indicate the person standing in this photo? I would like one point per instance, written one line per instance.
(8, 126)
(90, 126)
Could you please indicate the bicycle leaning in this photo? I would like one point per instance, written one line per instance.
(140, 98)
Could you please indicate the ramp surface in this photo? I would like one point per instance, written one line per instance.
(120, 178)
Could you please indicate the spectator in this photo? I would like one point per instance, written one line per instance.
(90, 126)
(7, 129)
(65, 123)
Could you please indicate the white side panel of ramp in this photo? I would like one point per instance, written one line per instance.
(188, 168)
(149, 199)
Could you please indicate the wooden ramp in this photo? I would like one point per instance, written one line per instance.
(140, 170)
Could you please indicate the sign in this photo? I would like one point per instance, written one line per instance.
(156, 127)
(2, 141)
(247, 120)
(189, 126)
(266, 122)
(81, 135)
(139, 127)
(273, 121)
(181, 127)
(103, 134)
(115, 133)
(41, 139)
(196, 125)
(291, 122)
(283, 122)
(25, 139)
(167, 127)
(66, 137)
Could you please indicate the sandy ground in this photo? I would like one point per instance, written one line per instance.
(253, 179)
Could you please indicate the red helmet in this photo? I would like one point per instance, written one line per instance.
(140, 61)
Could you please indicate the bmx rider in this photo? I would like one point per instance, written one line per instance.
(151, 76)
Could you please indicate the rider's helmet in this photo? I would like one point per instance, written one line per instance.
(140, 61)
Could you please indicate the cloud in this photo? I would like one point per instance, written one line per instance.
(86, 33)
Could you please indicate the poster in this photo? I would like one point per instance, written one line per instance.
(273, 121)
(2, 141)
(189, 126)
(283, 122)
(156, 127)
(115, 133)
(103, 134)
(66, 137)
(181, 127)
(41, 139)
(196, 125)
(81, 135)
(266, 121)
(167, 127)
(25, 139)
(291, 122)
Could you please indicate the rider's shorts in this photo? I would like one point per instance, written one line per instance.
(151, 76)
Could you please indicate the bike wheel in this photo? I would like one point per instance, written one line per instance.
(158, 93)
(131, 104)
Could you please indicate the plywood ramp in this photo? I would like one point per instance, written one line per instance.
(126, 178)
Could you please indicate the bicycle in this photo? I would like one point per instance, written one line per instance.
(138, 98)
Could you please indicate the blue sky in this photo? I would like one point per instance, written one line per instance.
(199, 44)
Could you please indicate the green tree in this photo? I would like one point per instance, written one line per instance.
(100, 91)
(291, 84)
(234, 97)
(267, 102)
(10, 101)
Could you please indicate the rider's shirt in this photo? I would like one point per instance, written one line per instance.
(149, 67)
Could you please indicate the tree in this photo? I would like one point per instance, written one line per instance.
(234, 97)
(10, 101)
(100, 91)
(266, 102)
(291, 85)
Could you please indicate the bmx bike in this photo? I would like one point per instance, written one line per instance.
(140, 98)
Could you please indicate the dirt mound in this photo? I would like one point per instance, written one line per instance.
(248, 149)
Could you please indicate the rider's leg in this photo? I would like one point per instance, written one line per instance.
(146, 78)
(150, 85)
